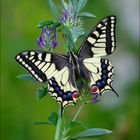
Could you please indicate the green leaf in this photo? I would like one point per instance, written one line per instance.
(26, 77)
(45, 23)
(69, 37)
(81, 4)
(42, 123)
(75, 5)
(41, 92)
(76, 50)
(71, 138)
(53, 118)
(70, 4)
(59, 29)
(65, 4)
(94, 132)
(86, 14)
(54, 9)
(74, 124)
(56, 24)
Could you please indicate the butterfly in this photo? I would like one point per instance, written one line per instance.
(61, 72)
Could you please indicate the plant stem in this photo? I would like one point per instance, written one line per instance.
(74, 118)
(59, 126)
(79, 110)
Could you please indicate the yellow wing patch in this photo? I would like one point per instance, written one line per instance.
(102, 38)
(101, 72)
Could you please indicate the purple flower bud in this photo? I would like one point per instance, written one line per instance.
(73, 18)
(53, 30)
(43, 30)
(94, 99)
(48, 36)
(67, 15)
(53, 43)
(41, 42)
(62, 21)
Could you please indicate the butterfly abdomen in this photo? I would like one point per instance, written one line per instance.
(73, 59)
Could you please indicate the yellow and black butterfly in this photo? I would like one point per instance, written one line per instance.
(61, 72)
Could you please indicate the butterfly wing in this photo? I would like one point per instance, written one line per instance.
(100, 73)
(54, 69)
(101, 41)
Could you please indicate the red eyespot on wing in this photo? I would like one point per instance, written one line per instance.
(76, 95)
(94, 89)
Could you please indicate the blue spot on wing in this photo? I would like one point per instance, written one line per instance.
(66, 96)
(57, 89)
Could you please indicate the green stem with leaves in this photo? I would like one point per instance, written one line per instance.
(74, 118)
(59, 126)
(79, 110)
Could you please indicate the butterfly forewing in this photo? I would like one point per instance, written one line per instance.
(53, 68)
(101, 40)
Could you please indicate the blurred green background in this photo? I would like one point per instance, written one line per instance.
(19, 107)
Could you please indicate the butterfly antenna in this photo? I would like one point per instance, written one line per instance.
(115, 92)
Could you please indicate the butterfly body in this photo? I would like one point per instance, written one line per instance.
(63, 72)
(75, 64)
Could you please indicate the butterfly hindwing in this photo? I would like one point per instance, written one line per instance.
(52, 68)
(62, 94)
(101, 40)
(100, 73)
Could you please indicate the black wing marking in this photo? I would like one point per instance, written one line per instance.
(101, 40)
(100, 73)
(55, 69)
(38, 63)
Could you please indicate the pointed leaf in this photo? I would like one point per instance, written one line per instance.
(70, 4)
(54, 9)
(56, 24)
(81, 4)
(26, 77)
(45, 23)
(71, 138)
(41, 92)
(69, 37)
(42, 123)
(74, 124)
(86, 14)
(94, 132)
(65, 4)
(53, 118)
(75, 5)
